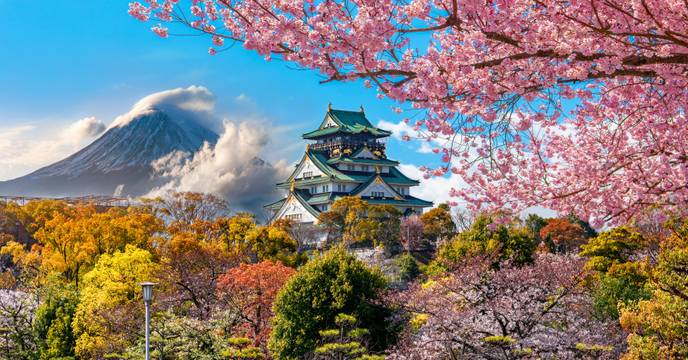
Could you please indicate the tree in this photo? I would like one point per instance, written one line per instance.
(485, 237)
(383, 223)
(310, 301)
(344, 342)
(411, 233)
(176, 337)
(561, 235)
(184, 209)
(657, 325)
(272, 243)
(232, 231)
(478, 311)
(107, 319)
(17, 310)
(438, 225)
(70, 240)
(347, 219)
(574, 105)
(52, 324)
(305, 234)
(534, 223)
(612, 247)
(192, 266)
(249, 290)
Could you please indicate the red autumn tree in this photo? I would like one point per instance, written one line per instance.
(561, 235)
(578, 105)
(249, 291)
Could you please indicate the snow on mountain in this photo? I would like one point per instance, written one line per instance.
(119, 161)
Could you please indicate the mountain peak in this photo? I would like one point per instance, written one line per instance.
(122, 155)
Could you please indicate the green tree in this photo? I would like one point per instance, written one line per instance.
(438, 224)
(486, 237)
(657, 326)
(383, 224)
(107, 318)
(241, 348)
(611, 247)
(617, 280)
(53, 324)
(334, 283)
(175, 337)
(534, 223)
(346, 342)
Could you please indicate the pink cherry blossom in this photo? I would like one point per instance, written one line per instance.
(578, 105)
(160, 31)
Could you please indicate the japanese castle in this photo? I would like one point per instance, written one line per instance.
(345, 157)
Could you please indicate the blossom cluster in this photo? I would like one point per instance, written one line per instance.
(578, 106)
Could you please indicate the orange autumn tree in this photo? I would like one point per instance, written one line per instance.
(250, 290)
(561, 235)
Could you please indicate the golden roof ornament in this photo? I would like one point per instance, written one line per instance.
(329, 106)
(293, 185)
(377, 169)
(362, 111)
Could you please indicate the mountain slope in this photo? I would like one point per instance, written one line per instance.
(118, 161)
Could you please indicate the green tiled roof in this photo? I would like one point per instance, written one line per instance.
(275, 205)
(408, 200)
(311, 181)
(320, 198)
(394, 177)
(350, 122)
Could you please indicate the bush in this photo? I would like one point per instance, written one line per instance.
(408, 267)
(310, 301)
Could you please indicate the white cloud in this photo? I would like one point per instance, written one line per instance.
(27, 147)
(194, 103)
(231, 169)
(86, 128)
(398, 129)
(425, 143)
(242, 98)
(435, 189)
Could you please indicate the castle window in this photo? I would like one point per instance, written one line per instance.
(307, 174)
(314, 189)
(364, 167)
(378, 193)
(293, 217)
(326, 188)
(350, 167)
(341, 187)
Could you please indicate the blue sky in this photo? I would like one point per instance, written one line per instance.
(63, 61)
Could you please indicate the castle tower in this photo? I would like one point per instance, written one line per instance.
(346, 156)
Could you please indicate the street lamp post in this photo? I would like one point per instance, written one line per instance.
(147, 299)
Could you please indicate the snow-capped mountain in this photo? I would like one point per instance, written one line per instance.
(119, 161)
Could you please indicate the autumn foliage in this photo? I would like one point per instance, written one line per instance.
(563, 235)
(251, 289)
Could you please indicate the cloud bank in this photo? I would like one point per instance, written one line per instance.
(27, 147)
(232, 169)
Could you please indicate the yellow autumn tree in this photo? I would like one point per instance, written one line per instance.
(107, 319)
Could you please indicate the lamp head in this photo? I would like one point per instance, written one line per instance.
(147, 291)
